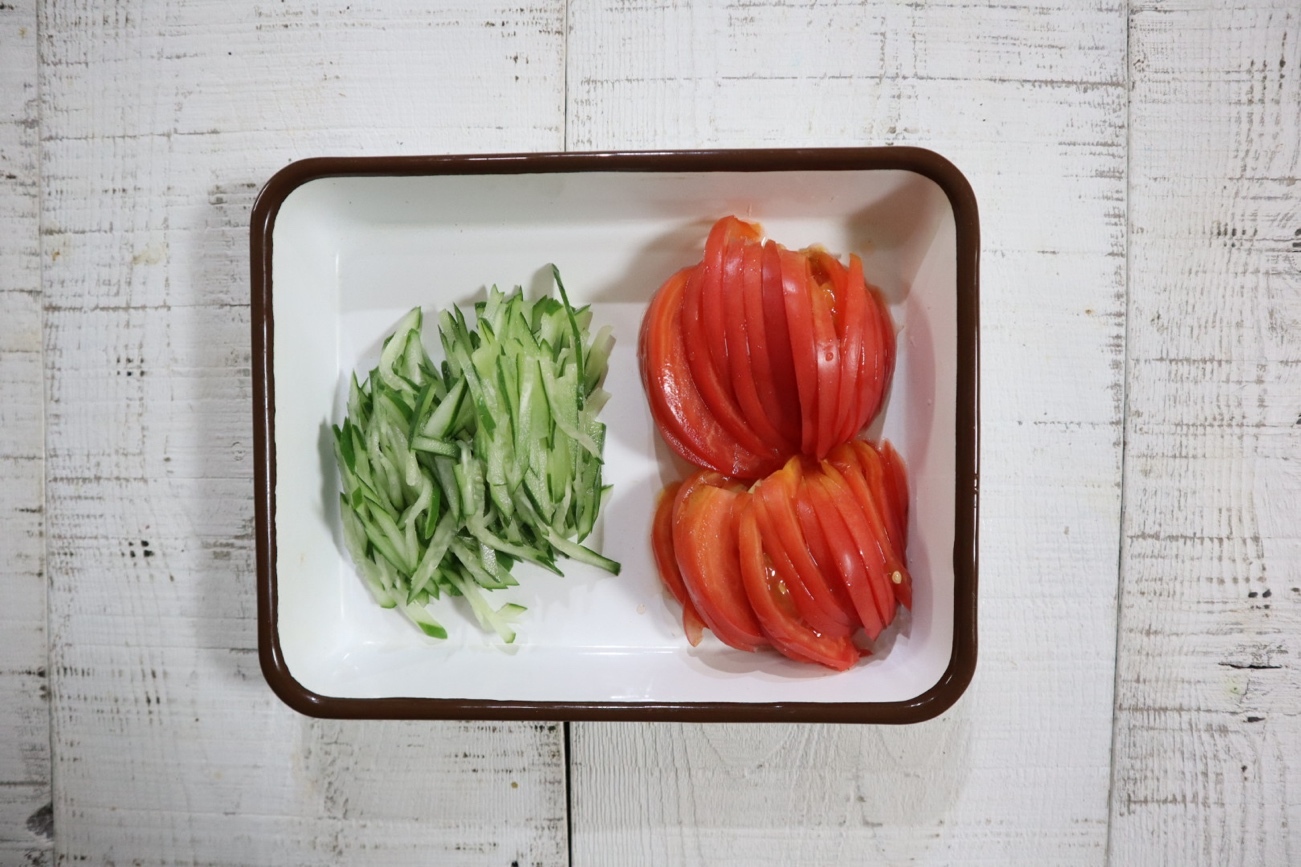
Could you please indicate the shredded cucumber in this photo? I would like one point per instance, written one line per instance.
(452, 473)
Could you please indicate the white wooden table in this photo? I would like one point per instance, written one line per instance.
(1137, 699)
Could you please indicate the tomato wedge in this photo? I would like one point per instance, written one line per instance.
(705, 544)
(683, 419)
(776, 611)
(666, 561)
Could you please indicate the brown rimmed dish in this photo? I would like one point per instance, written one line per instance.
(341, 246)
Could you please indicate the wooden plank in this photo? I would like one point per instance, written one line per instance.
(25, 813)
(161, 121)
(1029, 100)
(1208, 725)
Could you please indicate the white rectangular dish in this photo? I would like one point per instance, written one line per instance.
(341, 248)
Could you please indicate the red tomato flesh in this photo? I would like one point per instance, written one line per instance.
(776, 611)
(705, 544)
(666, 561)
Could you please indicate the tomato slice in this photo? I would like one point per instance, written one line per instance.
(705, 545)
(822, 300)
(853, 325)
(778, 343)
(666, 561)
(781, 526)
(858, 467)
(836, 507)
(803, 342)
(782, 410)
(897, 475)
(713, 388)
(680, 413)
(775, 609)
(817, 607)
(742, 372)
(715, 285)
(818, 518)
(879, 355)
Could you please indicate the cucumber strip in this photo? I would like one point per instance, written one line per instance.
(434, 554)
(440, 421)
(598, 359)
(435, 446)
(581, 553)
(498, 621)
(420, 617)
(395, 345)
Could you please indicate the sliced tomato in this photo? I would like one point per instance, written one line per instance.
(897, 474)
(775, 609)
(741, 368)
(705, 545)
(856, 466)
(821, 612)
(713, 388)
(781, 526)
(836, 506)
(827, 347)
(879, 355)
(843, 558)
(666, 561)
(681, 415)
(777, 331)
(803, 342)
(782, 410)
(852, 329)
(713, 295)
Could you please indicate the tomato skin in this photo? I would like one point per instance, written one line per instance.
(705, 544)
(684, 421)
(775, 610)
(666, 562)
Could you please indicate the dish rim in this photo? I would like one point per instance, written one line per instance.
(929, 164)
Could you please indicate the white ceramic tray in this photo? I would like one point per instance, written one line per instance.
(342, 247)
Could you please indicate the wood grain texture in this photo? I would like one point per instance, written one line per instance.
(25, 832)
(160, 122)
(1029, 101)
(1208, 726)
